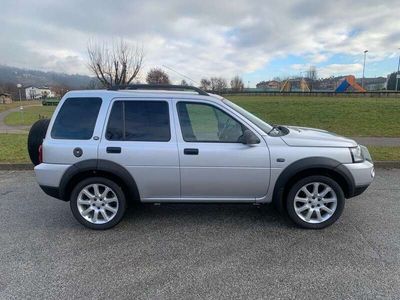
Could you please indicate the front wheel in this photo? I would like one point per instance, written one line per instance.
(315, 202)
(98, 203)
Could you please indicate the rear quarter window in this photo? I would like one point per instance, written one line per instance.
(76, 119)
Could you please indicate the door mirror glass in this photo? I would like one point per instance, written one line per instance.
(249, 138)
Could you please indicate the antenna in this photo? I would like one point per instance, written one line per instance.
(180, 74)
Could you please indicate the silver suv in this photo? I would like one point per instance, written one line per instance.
(162, 144)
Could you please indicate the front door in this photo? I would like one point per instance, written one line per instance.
(215, 165)
(139, 137)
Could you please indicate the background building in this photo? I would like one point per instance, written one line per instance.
(5, 98)
(33, 92)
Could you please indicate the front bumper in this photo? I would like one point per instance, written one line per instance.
(363, 174)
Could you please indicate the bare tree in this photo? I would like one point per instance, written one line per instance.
(218, 84)
(237, 84)
(157, 76)
(117, 64)
(183, 82)
(205, 84)
(312, 73)
(60, 89)
(312, 76)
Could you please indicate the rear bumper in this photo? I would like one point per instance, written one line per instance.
(49, 178)
(50, 174)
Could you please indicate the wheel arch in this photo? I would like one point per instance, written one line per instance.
(308, 167)
(103, 168)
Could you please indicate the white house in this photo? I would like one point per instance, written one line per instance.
(33, 92)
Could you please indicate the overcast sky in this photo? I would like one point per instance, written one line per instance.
(254, 39)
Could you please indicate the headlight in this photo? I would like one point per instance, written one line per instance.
(357, 154)
(365, 153)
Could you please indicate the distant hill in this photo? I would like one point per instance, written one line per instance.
(12, 76)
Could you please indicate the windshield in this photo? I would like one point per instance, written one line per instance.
(257, 121)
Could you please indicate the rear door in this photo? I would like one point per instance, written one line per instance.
(139, 137)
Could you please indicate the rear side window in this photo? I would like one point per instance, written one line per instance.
(76, 119)
(139, 121)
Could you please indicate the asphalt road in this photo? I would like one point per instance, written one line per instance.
(197, 251)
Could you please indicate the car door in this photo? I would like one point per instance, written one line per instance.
(139, 137)
(215, 165)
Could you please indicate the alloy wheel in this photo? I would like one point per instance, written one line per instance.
(97, 203)
(315, 202)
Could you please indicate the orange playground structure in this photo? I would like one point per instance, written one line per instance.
(349, 84)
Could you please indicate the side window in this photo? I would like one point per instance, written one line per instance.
(76, 119)
(206, 123)
(139, 121)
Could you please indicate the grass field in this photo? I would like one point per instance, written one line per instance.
(345, 116)
(14, 150)
(15, 104)
(29, 115)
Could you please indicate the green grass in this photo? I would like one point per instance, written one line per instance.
(15, 104)
(346, 116)
(13, 148)
(28, 115)
(384, 153)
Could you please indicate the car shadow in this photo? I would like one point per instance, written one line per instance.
(206, 214)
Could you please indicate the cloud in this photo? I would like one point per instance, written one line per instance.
(200, 38)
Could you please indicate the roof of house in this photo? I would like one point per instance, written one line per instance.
(40, 88)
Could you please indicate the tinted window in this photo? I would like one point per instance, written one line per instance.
(139, 121)
(115, 127)
(206, 123)
(76, 119)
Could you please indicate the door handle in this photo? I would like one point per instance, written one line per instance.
(191, 151)
(113, 149)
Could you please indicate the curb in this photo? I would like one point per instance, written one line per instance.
(395, 164)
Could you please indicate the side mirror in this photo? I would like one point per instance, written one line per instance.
(249, 138)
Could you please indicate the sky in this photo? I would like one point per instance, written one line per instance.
(255, 39)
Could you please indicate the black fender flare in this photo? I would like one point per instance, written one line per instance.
(310, 163)
(97, 166)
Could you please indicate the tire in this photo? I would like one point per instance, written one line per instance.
(315, 210)
(84, 207)
(35, 138)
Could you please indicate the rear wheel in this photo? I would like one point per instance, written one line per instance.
(98, 203)
(315, 202)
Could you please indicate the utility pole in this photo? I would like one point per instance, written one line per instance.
(365, 56)
(19, 86)
(398, 74)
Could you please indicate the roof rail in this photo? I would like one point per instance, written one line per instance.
(167, 87)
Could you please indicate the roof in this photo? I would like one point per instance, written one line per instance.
(5, 94)
(145, 94)
(148, 92)
(36, 87)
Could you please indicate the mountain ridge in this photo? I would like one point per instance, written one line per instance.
(11, 76)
